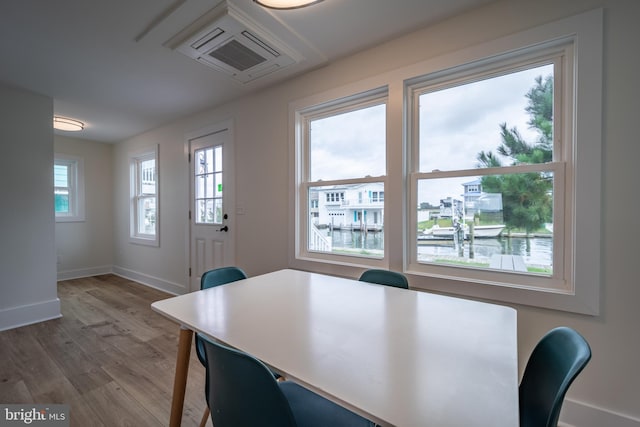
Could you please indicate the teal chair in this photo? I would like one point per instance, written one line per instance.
(553, 365)
(385, 277)
(210, 279)
(242, 392)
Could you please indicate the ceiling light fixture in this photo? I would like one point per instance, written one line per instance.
(286, 4)
(64, 123)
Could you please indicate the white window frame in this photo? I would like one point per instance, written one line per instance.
(577, 170)
(559, 53)
(303, 116)
(136, 195)
(75, 187)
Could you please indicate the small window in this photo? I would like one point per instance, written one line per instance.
(344, 170)
(144, 197)
(68, 181)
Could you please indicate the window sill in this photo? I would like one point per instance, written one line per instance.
(144, 242)
(580, 302)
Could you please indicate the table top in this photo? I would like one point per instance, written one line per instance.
(396, 356)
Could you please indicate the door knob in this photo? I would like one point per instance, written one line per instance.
(225, 229)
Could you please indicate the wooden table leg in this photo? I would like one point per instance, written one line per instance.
(180, 380)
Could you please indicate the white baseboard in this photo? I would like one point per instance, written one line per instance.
(153, 282)
(14, 317)
(579, 414)
(145, 279)
(84, 272)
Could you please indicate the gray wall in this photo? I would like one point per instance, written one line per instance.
(27, 256)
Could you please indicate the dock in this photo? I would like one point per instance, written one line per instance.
(508, 262)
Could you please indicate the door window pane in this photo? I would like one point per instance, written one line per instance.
(208, 185)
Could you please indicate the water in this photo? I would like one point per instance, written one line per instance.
(357, 240)
(534, 250)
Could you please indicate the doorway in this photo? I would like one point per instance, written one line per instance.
(211, 242)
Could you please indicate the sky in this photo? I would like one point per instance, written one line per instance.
(349, 145)
(455, 125)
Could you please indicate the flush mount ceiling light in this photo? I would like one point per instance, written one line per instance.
(286, 4)
(64, 123)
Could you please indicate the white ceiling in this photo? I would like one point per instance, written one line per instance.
(104, 63)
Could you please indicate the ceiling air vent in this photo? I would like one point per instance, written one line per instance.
(230, 42)
(237, 55)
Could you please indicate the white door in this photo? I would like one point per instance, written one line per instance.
(210, 222)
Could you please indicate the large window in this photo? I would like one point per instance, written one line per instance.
(68, 181)
(491, 183)
(144, 197)
(343, 144)
(491, 146)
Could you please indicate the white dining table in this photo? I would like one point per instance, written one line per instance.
(397, 357)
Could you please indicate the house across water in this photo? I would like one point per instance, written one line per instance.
(348, 207)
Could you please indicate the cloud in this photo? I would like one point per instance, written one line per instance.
(459, 122)
(349, 145)
(455, 124)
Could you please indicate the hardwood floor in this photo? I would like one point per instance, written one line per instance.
(110, 357)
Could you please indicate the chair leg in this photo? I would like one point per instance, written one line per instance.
(205, 417)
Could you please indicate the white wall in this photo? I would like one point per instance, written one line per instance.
(27, 256)
(86, 248)
(607, 393)
(164, 266)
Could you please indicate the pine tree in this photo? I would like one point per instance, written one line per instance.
(526, 198)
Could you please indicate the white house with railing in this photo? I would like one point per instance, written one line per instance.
(348, 207)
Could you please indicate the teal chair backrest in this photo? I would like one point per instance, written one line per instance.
(553, 365)
(241, 391)
(210, 279)
(221, 276)
(385, 277)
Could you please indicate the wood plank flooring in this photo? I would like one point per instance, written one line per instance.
(110, 357)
